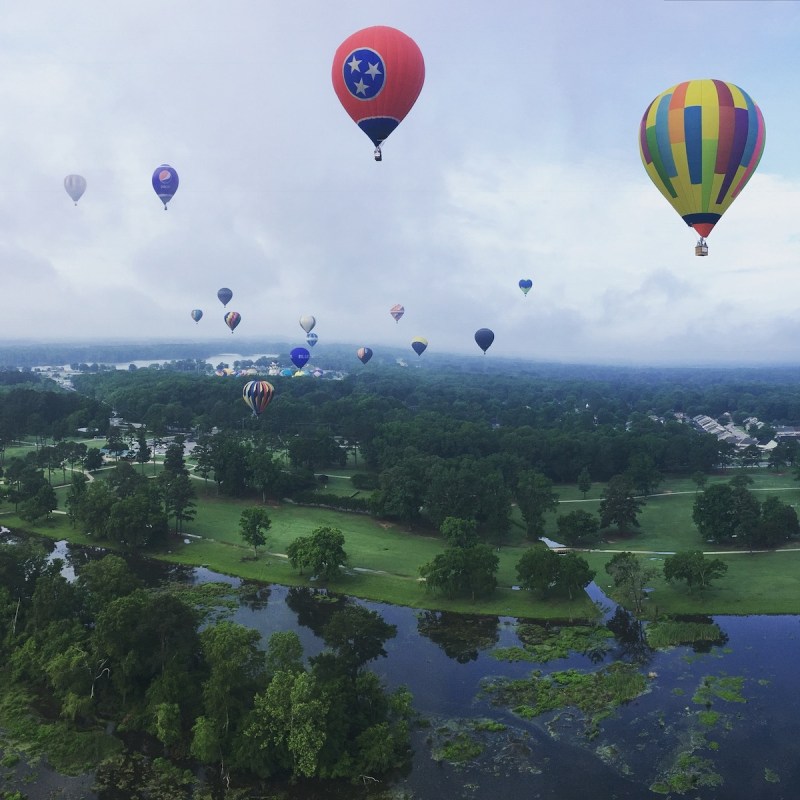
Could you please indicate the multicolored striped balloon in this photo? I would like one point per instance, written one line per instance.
(257, 395)
(700, 142)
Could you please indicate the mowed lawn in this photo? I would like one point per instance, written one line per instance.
(384, 558)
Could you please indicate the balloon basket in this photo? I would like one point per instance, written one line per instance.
(701, 248)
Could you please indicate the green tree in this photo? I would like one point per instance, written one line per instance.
(619, 506)
(93, 460)
(253, 525)
(459, 532)
(179, 497)
(643, 474)
(535, 497)
(714, 515)
(778, 523)
(462, 571)
(322, 553)
(144, 452)
(630, 578)
(40, 505)
(584, 482)
(578, 529)
(700, 479)
(537, 570)
(693, 567)
(574, 574)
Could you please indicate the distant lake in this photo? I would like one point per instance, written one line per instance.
(749, 742)
(227, 358)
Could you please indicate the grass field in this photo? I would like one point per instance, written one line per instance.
(384, 558)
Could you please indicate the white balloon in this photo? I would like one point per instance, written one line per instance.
(307, 323)
(75, 186)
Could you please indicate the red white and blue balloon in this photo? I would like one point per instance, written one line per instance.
(377, 75)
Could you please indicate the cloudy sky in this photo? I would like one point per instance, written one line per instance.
(519, 160)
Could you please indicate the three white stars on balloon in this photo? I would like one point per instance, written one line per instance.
(355, 66)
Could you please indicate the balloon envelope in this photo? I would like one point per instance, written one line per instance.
(299, 357)
(397, 312)
(224, 295)
(364, 354)
(419, 345)
(525, 284)
(197, 314)
(257, 395)
(311, 339)
(700, 142)
(165, 183)
(377, 75)
(307, 323)
(232, 319)
(484, 338)
(75, 186)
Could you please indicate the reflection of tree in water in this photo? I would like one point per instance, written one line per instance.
(314, 607)
(461, 636)
(629, 634)
(254, 596)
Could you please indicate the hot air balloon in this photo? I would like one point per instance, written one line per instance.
(484, 338)
(197, 314)
(377, 75)
(364, 354)
(165, 183)
(311, 339)
(700, 142)
(232, 319)
(307, 323)
(75, 186)
(525, 284)
(299, 357)
(419, 345)
(224, 295)
(397, 312)
(257, 395)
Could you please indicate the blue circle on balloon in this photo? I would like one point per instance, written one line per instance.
(364, 73)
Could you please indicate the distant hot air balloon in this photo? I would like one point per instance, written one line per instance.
(377, 75)
(197, 314)
(232, 319)
(525, 284)
(224, 295)
(75, 186)
(397, 312)
(311, 339)
(307, 323)
(300, 357)
(700, 142)
(364, 354)
(165, 183)
(419, 345)
(484, 338)
(257, 395)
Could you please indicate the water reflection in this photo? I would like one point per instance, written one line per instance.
(461, 636)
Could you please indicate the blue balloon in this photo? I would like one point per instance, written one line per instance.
(300, 357)
(165, 183)
(224, 295)
(312, 339)
(484, 338)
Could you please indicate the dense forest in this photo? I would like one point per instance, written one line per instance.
(435, 449)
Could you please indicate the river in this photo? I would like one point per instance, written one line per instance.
(747, 742)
